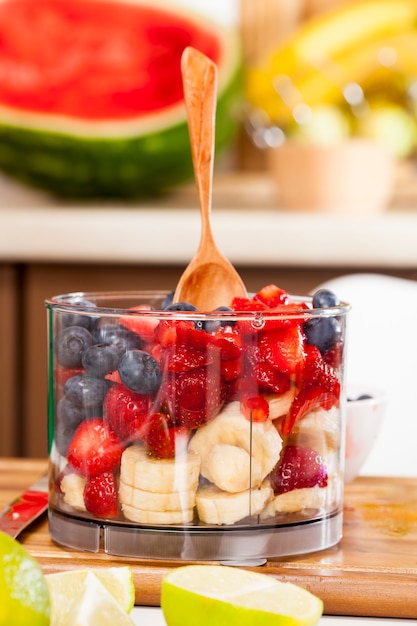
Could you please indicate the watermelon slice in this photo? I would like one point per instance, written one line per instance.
(91, 101)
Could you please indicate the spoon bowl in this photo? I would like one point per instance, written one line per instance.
(210, 280)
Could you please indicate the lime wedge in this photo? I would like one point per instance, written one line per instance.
(228, 596)
(94, 606)
(65, 586)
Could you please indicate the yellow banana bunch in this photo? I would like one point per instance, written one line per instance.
(328, 52)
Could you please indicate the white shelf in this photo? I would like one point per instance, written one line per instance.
(249, 226)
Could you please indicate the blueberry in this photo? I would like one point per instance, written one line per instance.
(168, 300)
(69, 345)
(101, 359)
(212, 325)
(78, 319)
(323, 332)
(119, 336)
(140, 372)
(68, 418)
(181, 306)
(324, 299)
(85, 391)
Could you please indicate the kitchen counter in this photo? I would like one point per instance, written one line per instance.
(250, 227)
(371, 572)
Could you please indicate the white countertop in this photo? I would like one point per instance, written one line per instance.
(152, 616)
(249, 226)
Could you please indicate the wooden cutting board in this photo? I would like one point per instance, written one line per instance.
(372, 572)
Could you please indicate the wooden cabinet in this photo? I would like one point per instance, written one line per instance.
(9, 360)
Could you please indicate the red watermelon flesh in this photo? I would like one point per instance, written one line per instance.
(95, 60)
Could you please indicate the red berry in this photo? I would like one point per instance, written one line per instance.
(283, 349)
(319, 387)
(255, 408)
(162, 440)
(100, 496)
(298, 468)
(126, 412)
(94, 448)
(182, 358)
(143, 325)
(272, 296)
(194, 397)
(247, 304)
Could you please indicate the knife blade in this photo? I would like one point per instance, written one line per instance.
(26, 508)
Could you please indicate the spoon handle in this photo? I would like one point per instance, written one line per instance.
(199, 75)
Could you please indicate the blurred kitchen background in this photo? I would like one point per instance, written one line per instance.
(317, 180)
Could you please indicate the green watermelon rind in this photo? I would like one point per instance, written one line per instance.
(73, 166)
(122, 161)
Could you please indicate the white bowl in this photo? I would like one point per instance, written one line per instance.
(364, 418)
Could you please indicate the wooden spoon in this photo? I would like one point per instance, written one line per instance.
(210, 280)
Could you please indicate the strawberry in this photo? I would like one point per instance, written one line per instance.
(228, 340)
(194, 397)
(94, 448)
(126, 412)
(100, 496)
(255, 408)
(247, 304)
(283, 349)
(143, 325)
(166, 333)
(272, 296)
(320, 387)
(162, 440)
(298, 468)
(182, 358)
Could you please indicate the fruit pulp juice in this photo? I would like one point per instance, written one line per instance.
(175, 433)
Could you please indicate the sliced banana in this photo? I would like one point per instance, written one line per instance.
(215, 506)
(142, 471)
(260, 441)
(142, 516)
(72, 486)
(229, 468)
(319, 430)
(149, 500)
(279, 403)
(296, 500)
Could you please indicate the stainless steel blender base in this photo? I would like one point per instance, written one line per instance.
(248, 545)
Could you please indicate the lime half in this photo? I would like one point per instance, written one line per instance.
(227, 596)
(24, 597)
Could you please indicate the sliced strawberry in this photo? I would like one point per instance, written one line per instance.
(193, 398)
(271, 379)
(100, 496)
(272, 296)
(167, 331)
(162, 440)
(94, 448)
(143, 325)
(183, 358)
(126, 412)
(230, 370)
(255, 408)
(229, 341)
(247, 304)
(114, 377)
(320, 387)
(298, 468)
(284, 349)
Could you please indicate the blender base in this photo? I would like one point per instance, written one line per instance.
(246, 545)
